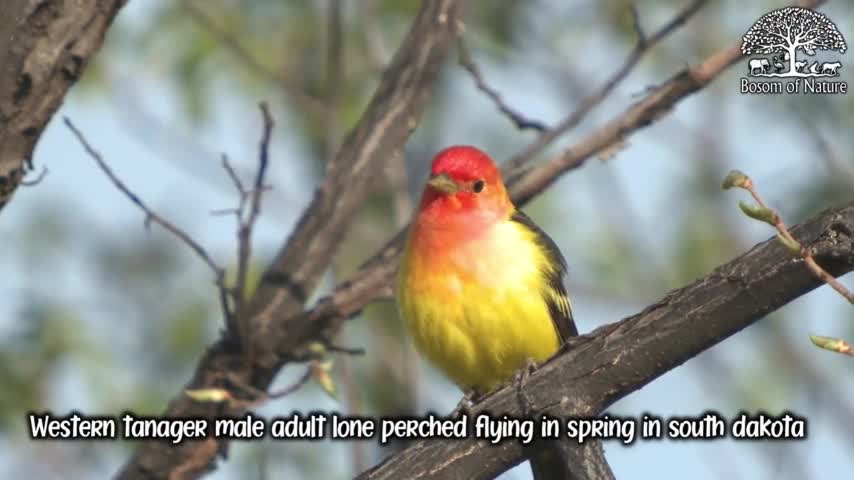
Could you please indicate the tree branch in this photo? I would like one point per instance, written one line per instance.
(613, 134)
(598, 369)
(245, 225)
(467, 62)
(44, 48)
(643, 45)
(389, 119)
(392, 114)
(150, 215)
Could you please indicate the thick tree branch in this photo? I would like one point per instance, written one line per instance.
(389, 119)
(44, 47)
(387, 122)
(598, 369)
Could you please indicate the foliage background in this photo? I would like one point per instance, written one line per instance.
(100, 316)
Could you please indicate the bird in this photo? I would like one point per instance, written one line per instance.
(480, 286)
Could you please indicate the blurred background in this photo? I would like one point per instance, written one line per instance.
(99, 315)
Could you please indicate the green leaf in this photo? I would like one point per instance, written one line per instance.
(756, 212)
(208, 395)
(791, 245)
(735, 178)
(833, 344)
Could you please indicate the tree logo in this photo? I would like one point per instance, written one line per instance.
(786, 39)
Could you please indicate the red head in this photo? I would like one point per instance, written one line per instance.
(465, 185)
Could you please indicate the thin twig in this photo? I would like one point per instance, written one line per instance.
(643, 45)
(521, 122)
(259, 396)
(345, 350)
(37, 180)
(805, 253)
(232, 174)
(150, 215)
(636, 24)
(245, 226)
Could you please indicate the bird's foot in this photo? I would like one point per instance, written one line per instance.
(521, 379)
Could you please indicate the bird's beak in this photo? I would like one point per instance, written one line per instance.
(443, 183)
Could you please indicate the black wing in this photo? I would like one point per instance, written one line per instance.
(557, 300)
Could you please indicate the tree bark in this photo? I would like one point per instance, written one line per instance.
(615, 360)
(44, 47)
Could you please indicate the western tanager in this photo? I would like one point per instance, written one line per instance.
(480, 286)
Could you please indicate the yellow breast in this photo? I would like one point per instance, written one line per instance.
(477, 310)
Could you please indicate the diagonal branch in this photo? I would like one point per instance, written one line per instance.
(598, 369)
(390, 117)
(150, 215)
(521, 122)
(656, 104)
(643, 45)
(386, 124)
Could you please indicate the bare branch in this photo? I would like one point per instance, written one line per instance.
(150, 215)
(628, 354)
(245, 226)
(256, 396)
(260, 396)
(636, 24)
(232, 174)
(521, 122)
(390, 117)
(37, 180)
(643, 45)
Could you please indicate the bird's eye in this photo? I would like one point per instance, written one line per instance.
(477, 187)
